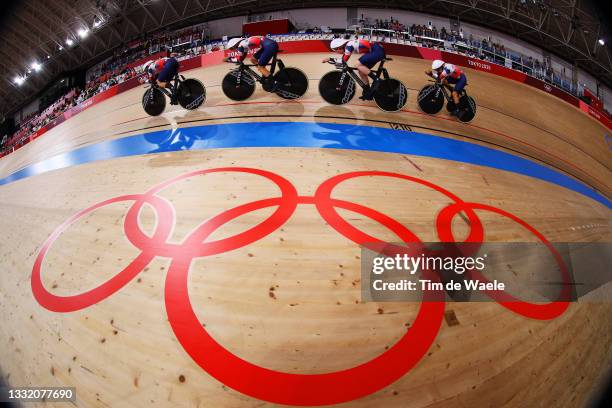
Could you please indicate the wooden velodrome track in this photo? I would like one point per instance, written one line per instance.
(290, 301)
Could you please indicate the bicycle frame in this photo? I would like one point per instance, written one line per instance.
(350, 71)
(174, 86)
(447, 89)
(247, 67)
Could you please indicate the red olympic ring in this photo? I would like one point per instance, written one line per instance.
(86, 299)
(250, 379)
(544, 311)
(193, 246)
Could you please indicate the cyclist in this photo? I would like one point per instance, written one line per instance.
(163, 71)
(266, 48)
(449, 74)
(373, 53)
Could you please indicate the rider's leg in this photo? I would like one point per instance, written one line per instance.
(265, 72)
(455, 95)
(262, 69)
(363, 73)
(263, 56)
(166, 77)
(364, 67)
(459, 85)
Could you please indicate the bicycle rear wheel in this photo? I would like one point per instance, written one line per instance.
(390, 95)
(153, 101)
(292, 83)
(238, 85)
(191, 94)
(337, 87)
(468, 105)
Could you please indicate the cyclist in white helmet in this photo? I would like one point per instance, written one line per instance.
(266, 48)
(162, 71)
(373, 53)
(449, 74)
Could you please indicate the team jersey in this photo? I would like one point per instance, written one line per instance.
(154, 67)
(358, 46)
(248, 44)
(450, 71)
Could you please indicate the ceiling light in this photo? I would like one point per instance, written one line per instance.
(602, 41)
(97, 23)
(60, 48)
(83, 32)
(69, 42)
(36, 66)
(19, 80)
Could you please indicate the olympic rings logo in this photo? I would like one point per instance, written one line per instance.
(241, 375)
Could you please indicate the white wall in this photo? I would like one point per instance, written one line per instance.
(334, 17)
(231, 26)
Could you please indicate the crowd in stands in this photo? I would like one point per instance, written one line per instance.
(391, 24)
(35, 121)
(149, 44)
(484, 49)
(112, 72)
(190, 41)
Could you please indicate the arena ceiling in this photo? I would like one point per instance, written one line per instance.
(39, 31)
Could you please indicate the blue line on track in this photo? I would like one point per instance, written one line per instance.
(306, 135)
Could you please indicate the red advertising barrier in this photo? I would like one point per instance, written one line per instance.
(595, 101)
(289, 47)
(266, 27)
(127, 85)
(295, 47)
(401, 50)
(553, 90)
(191, 63)
(212, 58)
(306, 46)
(602, 117)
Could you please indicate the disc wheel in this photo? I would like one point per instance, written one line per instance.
(191, 94)
(390, 95)
(337, 87)
(153, 101)
(468, 106)
(238, 85)
(430, 99)
(292, 83)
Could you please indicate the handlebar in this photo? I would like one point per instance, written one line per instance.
(242, 64)
(340, 65)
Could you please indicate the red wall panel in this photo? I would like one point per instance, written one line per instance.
(266, 27)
